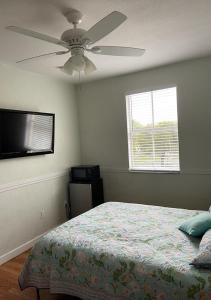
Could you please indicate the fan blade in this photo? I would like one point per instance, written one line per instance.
(105, 26)
(117, 51)
(42, 55)
(37, 35)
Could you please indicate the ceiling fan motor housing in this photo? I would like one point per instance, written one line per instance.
(74, 37)
(77, 51)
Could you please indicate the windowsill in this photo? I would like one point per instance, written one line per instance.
(155, 171)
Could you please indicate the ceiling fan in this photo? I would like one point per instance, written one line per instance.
(78, 40)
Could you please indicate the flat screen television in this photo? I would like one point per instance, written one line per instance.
(26, 133)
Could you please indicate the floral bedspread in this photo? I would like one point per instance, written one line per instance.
(119, 251)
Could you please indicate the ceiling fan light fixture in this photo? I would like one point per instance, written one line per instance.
(90, 66)
(79, 63)
(75, 63)
(68, 67)
(65, 70)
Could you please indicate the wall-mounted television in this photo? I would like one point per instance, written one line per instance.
(26, 133)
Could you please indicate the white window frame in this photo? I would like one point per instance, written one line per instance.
(147, 170)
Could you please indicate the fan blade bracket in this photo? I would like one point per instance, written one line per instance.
(86, 42)
(62, 52)
(96, 50)
(117, 51)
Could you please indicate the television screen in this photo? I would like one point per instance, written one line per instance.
(24, 133)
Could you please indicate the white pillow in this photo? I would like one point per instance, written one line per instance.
(203, 259)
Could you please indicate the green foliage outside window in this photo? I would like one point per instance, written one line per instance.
(157, 144)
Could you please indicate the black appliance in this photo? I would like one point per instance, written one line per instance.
(85, 173)
(26, 133)
(85, 189)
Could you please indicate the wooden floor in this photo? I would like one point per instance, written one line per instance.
(9, 289)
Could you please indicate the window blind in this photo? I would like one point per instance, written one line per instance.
(152, 124)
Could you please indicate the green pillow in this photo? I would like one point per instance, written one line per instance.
(197, 225)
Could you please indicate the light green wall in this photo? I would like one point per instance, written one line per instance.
(103, 133)
(21, 206)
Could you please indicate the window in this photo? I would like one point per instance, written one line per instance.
(153, 130)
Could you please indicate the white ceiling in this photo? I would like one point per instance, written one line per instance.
(169, 30)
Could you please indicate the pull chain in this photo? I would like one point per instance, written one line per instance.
(79, 82)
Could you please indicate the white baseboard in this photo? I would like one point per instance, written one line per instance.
(19, 250)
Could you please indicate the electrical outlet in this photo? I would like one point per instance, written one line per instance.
(42, 213)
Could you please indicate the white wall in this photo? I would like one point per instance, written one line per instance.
(103, 132)
(29, 185)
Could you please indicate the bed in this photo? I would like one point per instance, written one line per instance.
(119, 251)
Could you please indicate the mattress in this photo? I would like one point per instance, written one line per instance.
(119, 251)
